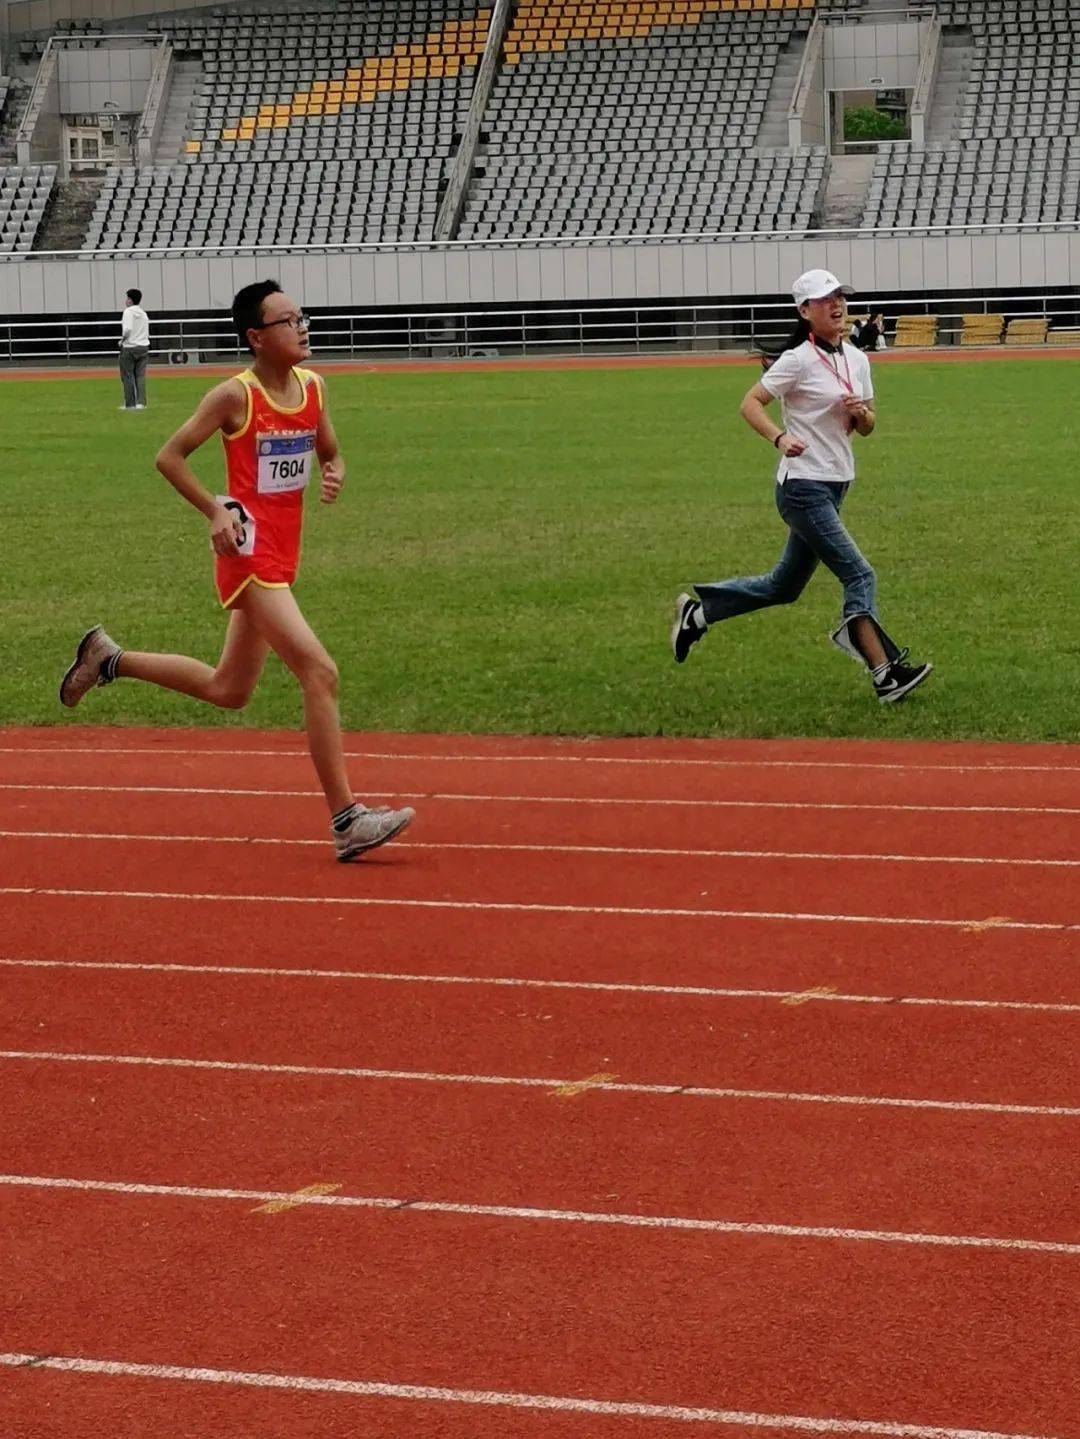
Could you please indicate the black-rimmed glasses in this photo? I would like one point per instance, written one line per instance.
(296, 322)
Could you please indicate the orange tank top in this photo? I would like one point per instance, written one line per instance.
(268, 460)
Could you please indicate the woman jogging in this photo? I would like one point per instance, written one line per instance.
(826, 393)
(273, 421)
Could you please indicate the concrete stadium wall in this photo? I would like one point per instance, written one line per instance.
(876, 56)
(481, 275)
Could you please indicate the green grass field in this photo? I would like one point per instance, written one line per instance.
(509, 545)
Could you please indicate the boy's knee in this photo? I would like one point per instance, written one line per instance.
(231, 696)
(320, 673)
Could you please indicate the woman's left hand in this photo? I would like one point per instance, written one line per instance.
(855, 407)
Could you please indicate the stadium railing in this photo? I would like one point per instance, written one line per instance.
(645, 328)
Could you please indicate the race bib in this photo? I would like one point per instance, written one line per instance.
(284, 462)
(246, 538)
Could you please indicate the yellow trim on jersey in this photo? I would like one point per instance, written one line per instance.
(320, 386)
(243, 378)
(254, 580)
(302, 375)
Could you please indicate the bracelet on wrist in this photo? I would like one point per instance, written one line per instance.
(780, 436)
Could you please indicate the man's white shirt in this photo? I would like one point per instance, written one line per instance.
(134, 328)
(811, 385)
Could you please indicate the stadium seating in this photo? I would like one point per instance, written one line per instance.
(608, 115)
(1014, 155)
(24, 191)
(638, 117)
(314, 202)
(960, 182)
(714, 191)
(351, 113)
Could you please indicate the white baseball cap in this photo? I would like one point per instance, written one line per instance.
(816, 285)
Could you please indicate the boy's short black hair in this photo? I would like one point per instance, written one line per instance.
(247, 307)
(135, 296)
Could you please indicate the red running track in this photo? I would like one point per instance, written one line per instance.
(844, 1329)
(757, 1325)
(918, 1171)
(983, 1057)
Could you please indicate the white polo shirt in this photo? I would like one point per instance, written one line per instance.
(811, 385)
(134, 328)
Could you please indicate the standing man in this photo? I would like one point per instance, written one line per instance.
(134, 351)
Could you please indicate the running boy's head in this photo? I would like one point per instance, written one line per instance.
(270, 324)
(134, 297)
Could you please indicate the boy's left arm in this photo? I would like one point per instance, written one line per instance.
(331, 463)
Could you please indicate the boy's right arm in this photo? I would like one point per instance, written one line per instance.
(223, 408)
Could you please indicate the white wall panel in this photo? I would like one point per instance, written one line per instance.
(572, 273)
(552, 280)
(986, 262)
(527, 266)
(743, 269)
(504, 272)
(576, 274)
(671, 272)
(623, 271)
(887, 264)
(959, 264)
(1032, 259)
(481, 276)
(695, 270)
(935, 262)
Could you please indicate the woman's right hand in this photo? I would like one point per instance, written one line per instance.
(790, 446)
(225, 531)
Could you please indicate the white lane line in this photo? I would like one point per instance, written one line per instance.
(823, 996)
(553, 1216)
(510, 907)
(660, 761)
(635, 802)
(651, 851)
(796, 1423)
(693, 1091)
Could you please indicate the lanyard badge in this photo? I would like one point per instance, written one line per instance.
(834, 368)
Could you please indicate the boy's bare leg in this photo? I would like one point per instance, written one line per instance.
(277, 617)
(228, 684)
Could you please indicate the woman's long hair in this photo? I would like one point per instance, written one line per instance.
(799, 335)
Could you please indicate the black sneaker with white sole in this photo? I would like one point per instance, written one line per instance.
(689, 627)
(900, 679)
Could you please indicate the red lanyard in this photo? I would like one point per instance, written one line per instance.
(834, 369)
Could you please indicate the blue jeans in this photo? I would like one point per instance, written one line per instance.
(811, 511)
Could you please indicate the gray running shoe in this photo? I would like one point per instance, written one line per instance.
(95, 650)
(369, 829)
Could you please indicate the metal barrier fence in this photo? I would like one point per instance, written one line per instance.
(508, 332)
